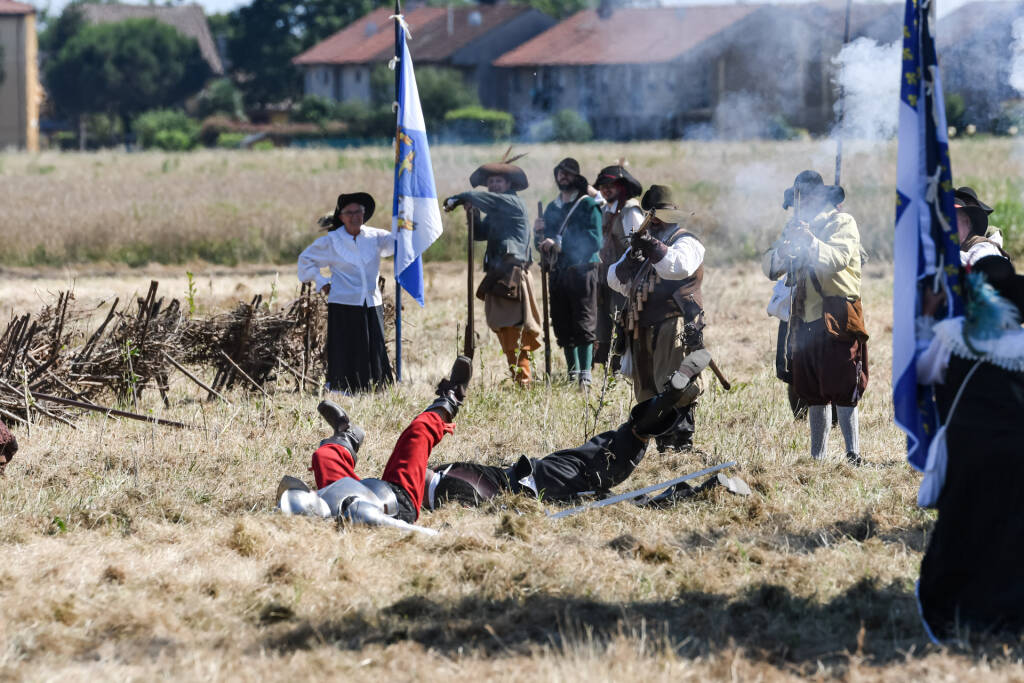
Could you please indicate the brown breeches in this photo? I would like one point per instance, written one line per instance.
(827, 369)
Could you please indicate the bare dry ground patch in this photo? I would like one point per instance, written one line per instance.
(134, 552)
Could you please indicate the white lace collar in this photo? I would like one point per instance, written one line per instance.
(1006, 351)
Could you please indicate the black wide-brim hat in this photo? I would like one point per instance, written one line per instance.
(609, 174)
(361, 198)
(966, 196)
(570, 165)
(659, 198)
(810, 185)
(516, 176)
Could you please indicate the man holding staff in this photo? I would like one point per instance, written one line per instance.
(568, 236)
(507, 286)
(660, 277)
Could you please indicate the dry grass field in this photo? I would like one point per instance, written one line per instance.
(132, 552)
(229, 207)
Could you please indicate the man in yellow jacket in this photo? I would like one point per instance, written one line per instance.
(819, 253)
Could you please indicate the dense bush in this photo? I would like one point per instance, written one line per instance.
(568, 126)
(173, 141)
(215, 127)
(955, 110)
(315, 109)
(230, 140)
(221, 98)
(477, 124)
(166, 129)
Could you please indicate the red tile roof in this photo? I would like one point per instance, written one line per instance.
(372, 38)
(628, 36)
(11, 7)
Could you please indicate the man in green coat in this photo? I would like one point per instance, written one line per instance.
(569, 238)
(507, 287)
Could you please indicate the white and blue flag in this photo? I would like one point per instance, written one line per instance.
(927, 252)
(415, 215)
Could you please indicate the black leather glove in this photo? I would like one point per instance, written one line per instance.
(451, 203)
(627, 269)
(648, 245)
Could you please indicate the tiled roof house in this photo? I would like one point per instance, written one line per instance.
(467, 38)
(661, 72)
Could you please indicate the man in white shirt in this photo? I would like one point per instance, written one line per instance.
(357, 357)
(660, 277)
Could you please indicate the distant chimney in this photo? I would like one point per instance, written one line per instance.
(605, 9)
(451, 20)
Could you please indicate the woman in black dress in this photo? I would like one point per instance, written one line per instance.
(357, 359)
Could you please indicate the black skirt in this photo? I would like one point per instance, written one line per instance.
(972, 574)
(357, 359)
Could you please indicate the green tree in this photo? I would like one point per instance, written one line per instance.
(125, 68)
(568, 126)
(265, 35)
(441, 90)
(60, 30)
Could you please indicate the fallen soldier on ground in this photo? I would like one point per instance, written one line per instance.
(406, 486)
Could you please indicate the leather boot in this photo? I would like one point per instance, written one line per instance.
(523, 376)
(451, 391)
(346, 434)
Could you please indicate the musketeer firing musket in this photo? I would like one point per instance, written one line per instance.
(507, 287)
(660, 276)
(819, 254)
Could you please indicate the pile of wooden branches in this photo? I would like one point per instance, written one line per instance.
(248, 345)
(51, 363)
(33, 358)
(129, 350)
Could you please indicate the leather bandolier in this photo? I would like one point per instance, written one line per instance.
(652, 299)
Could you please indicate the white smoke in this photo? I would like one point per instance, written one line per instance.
(1017, 52)
(868, 75)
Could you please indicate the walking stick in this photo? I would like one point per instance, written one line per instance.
(469, 344)
(544, 270)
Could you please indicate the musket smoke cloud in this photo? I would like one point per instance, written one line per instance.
(1017, 52)
(868, 75)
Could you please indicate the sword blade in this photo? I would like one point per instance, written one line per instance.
(629, 495)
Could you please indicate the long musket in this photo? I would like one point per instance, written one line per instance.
(839, 130)
(469, 345)
(544, 269)
(629, 495)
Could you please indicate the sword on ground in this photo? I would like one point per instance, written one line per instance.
(629, 495)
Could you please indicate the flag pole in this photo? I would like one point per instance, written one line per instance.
(398, 287)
